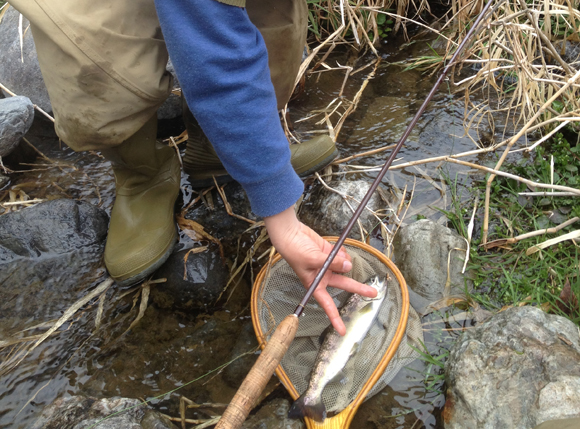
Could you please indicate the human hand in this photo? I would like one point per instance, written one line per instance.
(306, 251)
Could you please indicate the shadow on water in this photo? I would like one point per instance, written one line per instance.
(169, 348)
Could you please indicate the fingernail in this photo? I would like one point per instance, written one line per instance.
(346, 266)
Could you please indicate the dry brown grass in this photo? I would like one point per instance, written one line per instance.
(520, 60)
(522, 69)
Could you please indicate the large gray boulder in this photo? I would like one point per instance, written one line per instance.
(327, 213)
(49, 255)
(19, 69)
(80, 412)
(16, 117)
(516, 371)
(427, 255)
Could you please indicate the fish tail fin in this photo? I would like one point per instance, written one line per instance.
(315, 411)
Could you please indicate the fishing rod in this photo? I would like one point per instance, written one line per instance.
(256, 380)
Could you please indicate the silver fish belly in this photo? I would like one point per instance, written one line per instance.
(358, 315)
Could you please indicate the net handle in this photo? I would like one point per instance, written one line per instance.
(350, 411)
(256, 380)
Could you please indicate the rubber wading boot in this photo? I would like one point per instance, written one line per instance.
(142, 230)
(202, 164)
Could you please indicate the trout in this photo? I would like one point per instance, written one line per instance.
(358, 315)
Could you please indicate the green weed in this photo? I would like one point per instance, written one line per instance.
(434, 375)
(505, 275)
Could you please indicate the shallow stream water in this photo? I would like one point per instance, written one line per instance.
(168, 349)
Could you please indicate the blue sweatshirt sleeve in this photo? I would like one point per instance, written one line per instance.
(222, 65)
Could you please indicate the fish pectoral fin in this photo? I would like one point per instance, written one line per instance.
(324, 333)
(367, 308)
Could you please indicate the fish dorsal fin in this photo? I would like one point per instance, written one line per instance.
(323, 334)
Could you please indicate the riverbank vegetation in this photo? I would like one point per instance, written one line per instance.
(526, 62)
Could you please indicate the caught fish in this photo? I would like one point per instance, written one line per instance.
(358, 314)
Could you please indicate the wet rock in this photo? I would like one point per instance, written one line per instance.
(19, 70)
(79, 412)
(235, 372)
(16, 116)
(49, 253)
(155, 420)
(195, 280)
(273, 415)
(218, 223)
(518, 370)
(327, 213)
(422, 251)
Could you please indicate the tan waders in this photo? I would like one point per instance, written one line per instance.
(104, 65)
(142, 230)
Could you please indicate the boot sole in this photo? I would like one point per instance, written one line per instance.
(152, 268)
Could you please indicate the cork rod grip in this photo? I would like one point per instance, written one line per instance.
(256, 380)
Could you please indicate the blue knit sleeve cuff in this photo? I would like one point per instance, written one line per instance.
(273, 196)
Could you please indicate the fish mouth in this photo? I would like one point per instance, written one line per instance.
(381, 288)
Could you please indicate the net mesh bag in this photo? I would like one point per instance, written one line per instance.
(280, 291)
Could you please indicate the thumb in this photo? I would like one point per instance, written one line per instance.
(340, 263)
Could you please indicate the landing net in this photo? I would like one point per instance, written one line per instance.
(278, 291)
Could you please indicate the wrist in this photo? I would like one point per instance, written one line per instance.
(282, 226)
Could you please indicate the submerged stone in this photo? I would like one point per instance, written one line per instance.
(273, 415)
(80, 412)
(49, 253)
(236, 371)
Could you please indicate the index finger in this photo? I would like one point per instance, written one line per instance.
(351, 285)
